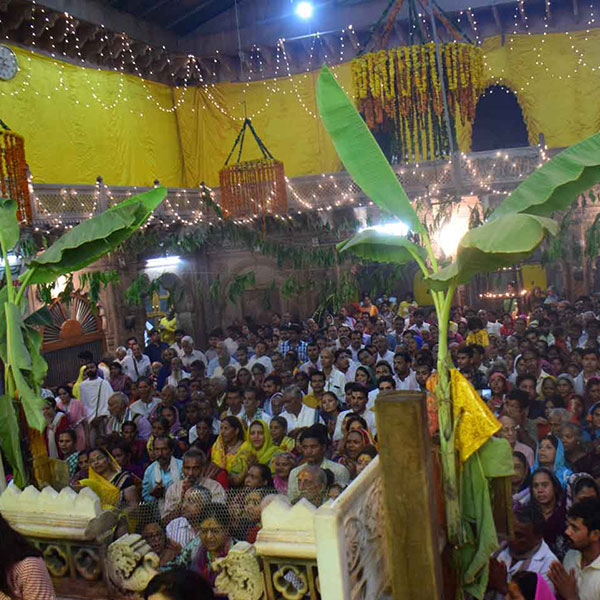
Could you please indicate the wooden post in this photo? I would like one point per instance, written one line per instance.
(409, 496)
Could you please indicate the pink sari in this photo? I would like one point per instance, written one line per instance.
(76, 415)
(542, 590)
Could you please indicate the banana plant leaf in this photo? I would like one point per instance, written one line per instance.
(499, 243)
(26, 364)
(360, 153)
(381, 247)
(10, 439)
(9, 226)
(556, 184)
(92, 239)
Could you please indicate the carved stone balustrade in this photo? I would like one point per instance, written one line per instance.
(70, 529)
(333, 552)
(351, 547)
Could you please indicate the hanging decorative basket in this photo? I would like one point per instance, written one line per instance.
(399, 91)
(252, 187)
(13, 172)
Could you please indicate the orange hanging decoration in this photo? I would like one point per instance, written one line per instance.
(254, 187)
(13, 172)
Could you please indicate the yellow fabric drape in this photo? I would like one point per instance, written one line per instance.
(71, 138)
(289, 131)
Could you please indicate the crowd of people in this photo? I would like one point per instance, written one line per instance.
(193, 444)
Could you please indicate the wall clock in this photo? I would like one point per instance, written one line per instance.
(8, 63)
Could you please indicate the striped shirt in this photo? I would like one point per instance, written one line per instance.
(29, 580)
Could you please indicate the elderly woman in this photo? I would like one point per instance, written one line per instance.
(576, 456)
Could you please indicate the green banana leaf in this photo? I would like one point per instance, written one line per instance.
(41, 317)
(26, 364)
(556, 184)
(9, 226)
(499, 243)
(381, 247)
(360, 153)
(92, 239)
(10, 439)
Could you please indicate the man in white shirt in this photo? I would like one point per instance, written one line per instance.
(147, 402)
(94, 393)
(335, 380)
(406, 378)
(358, 405)
(136, 364)
(194, 468)
(356, 344)
(314, 445)
(419, 321)
(189, 355)
(383, 348)
(313, 363)
(260, 356)
(296, 413)
(591, 366)
(578, 578)
(223, 359)
(526, 551)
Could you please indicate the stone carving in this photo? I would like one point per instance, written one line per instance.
(57, 561)
(87, 563)
(290, 581)
(49, 514)
(130, 563)
(239, 574)
(366, 557)
(287, 530)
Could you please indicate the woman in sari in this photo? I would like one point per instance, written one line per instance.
(56, 423)
(278, 429)
(230, 451)
(75, 412)
(113, 485)
(550, 454)
(349, 449)
(260, 443)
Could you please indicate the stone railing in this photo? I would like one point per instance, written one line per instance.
(477, 173)
(335, 551)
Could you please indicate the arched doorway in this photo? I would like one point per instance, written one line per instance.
(498, 121)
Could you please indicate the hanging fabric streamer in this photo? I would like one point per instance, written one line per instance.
(254, 187)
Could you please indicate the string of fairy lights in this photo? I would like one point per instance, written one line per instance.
(327, 192)
(254, 71)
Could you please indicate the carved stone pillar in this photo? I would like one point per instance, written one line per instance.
(408, 496)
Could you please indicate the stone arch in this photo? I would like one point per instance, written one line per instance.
(499, 121)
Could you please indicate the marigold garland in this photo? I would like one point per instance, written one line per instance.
(13, 173)
(400, 90)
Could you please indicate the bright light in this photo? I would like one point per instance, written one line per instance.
(304, 10)
(163, 261)
(13, 259)
(449, 236)
(59, 286)
(392, 228)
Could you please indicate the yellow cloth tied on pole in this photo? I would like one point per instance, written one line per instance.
(476, 423)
